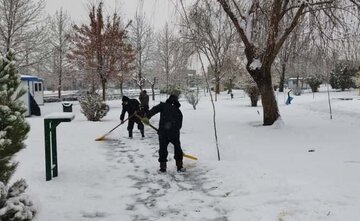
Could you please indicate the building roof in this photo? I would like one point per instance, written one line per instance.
(30, 78)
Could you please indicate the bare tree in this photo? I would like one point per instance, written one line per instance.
(152, 82)
(21, 30)
(292, 49)
(59, 38)
(276, 19)
(214, 34)
(142, 41)
(172, 56)
(234, 66)
(185, 17)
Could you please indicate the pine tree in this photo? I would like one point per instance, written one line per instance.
(343, 76)
(314, 82)
(93, 107)
(15, 205)
(13, 128)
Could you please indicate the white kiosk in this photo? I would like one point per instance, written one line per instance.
(34, 95)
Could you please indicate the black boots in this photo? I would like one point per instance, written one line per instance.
(162, 167)
(179, 165)
(131, 134)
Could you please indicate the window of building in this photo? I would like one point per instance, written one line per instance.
(38, 87)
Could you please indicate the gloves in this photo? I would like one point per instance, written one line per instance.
(145, 120)
(122, 121)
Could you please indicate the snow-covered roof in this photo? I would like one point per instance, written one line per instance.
(30, 78)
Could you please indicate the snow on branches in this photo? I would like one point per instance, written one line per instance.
(13, 127)
(14, 204)
(139, 82)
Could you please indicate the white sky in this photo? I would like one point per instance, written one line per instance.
(158, 11)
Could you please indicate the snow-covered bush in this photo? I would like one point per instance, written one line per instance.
(252, 91)
(174, 90)
(192, 96)
(93, 107)
(14, 204)
(314, 82)
(13, 127)
(358, 78)
(343, 76)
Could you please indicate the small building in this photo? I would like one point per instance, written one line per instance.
(34, 95)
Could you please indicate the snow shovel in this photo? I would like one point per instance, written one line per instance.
(103, 136)
(153, 127)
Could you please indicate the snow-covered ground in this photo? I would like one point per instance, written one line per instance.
(265, 173)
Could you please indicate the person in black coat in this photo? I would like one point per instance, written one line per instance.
(131, 106)
(144, 102)
(169, 130)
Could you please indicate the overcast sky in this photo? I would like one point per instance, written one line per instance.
(157, 11)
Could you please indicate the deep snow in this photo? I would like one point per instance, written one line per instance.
(265, 173)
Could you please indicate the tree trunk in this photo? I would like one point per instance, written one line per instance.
(268, 100)
(217, 85)
(282, 78)
(93, 88)
(140, 80)
(254, 101)
(93, 85)
(59, 88)
(121, 89)
(103, 85)
(60, 51)
(230, 85)
(153, 91)
(60, 78)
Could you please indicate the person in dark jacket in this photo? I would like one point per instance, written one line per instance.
(131, 106)
(169, 130)
(144, 102)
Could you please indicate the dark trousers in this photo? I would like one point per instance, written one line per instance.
(131, 123)
(144, 110)
(169, 137)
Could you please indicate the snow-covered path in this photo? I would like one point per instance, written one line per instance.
(152, 194)
(117, 178)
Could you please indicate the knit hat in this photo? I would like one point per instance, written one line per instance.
(124, 99)
(173, 99)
